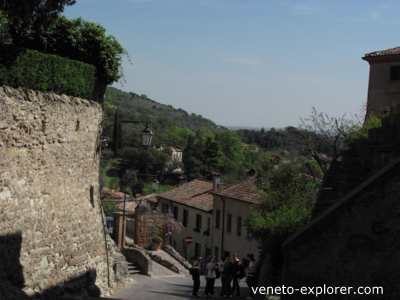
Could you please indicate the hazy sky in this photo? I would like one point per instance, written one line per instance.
(248, 62)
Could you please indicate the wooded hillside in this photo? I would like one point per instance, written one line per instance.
(171, 125)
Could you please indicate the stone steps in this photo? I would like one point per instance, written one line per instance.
(133, 269)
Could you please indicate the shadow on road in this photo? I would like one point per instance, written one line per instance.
(187, 293)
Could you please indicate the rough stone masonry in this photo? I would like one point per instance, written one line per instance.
(51, 231)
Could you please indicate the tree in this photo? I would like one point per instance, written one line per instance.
(193, 158)
(26, 16)
(288, 195)
(212, 157)
(37, 24)
(333, 133)
(176, 136)
(146, 162)
(80, 40)
(5, 37)
(233, 159)
(288, 191)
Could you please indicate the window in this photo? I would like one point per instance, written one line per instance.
(395, 73)
(176, 212)
(207, 232)
(208, 252)
(239, 226)
(197, 250)
(217, 218)
(249, 235)
(185, 218)
(198, 223)
(229, 223)
(164, 208)
(216, 252)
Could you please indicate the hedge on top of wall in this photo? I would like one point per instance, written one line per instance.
(47, 73)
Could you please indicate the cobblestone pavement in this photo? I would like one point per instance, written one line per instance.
(168, 288)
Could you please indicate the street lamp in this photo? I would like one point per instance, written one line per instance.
(147, 133)
(147, 136)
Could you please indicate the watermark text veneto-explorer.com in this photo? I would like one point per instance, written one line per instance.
(318, 290)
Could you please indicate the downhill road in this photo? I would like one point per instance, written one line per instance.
(168, 288)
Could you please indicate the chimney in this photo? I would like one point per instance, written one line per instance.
(251, 173)
(216, 181)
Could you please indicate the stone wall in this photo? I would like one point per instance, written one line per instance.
(353, 239)
(51, 229)
(360, 161)
(355, 244)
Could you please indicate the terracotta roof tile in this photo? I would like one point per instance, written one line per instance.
(244, 191)
(386, 52)
(203, 201)
(196, 193)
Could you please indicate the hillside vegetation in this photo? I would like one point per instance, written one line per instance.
(171, 126)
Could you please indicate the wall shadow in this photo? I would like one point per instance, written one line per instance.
(12, 278)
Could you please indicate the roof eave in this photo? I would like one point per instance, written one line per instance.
(380, 58)
(235, 198)
(185, 204)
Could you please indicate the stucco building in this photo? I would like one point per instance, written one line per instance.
(213, 217)
(232, 206)
(384, 80)
(191, 204)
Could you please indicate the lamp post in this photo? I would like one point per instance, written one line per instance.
(147, 136)
(147, 133)
(146, 139)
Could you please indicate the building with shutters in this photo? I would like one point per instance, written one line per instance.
(213, 217)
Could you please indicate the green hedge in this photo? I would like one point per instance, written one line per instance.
(48, 73)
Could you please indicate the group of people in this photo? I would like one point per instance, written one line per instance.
(230, 270)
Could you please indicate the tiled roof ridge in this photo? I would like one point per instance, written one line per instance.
(384, 52)
(248, 179)
(203, 193)
(241, 191)
(203, 190)
(191, 197)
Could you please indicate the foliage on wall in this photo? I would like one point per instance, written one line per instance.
(45, 72)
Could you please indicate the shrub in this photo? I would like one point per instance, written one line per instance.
(81, 40)
(361, 132)
(109, 207)
(38, 25)
(5, 37)
(288, 192)
(48, 73)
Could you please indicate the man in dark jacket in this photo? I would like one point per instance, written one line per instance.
(195, 272)
(238, 273)
(251, 274)
(226, 277)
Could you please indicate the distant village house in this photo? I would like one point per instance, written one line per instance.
(384, 80)
(213, 217)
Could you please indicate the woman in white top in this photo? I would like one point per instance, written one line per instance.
(211, 274)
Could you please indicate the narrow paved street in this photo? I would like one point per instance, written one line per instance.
(167, 288)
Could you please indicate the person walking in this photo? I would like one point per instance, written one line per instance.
(220, 266)
(238, 273)
(226, 278)
(195, 272)
(251, 275)
(211, 274)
